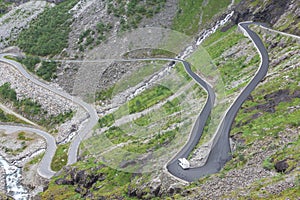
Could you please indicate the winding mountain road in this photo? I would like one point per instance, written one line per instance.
(93, 117)
(44, 168)
(220, 152)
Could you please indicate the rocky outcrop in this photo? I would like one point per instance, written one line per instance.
(281, 166)
(83, 180)
(271, 12)
(272, 100)
(175, 189)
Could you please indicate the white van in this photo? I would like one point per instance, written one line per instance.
(184, 163)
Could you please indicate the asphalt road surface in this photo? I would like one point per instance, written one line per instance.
(220, 152)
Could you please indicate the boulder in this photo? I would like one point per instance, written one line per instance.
(175, 189)
(281, 166)
(155, 186)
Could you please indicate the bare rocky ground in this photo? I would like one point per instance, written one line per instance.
(2, 180)
(21, 149)
(32, 180)
(49, 101)
(17, 148)
(18, 18)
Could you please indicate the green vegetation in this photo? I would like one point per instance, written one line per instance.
(256, 129)
(255, 124)
(113, 184)
(213, 8)
(190, 12)
(16, 151)
(132, 13)
(117, 136)
(52, 121)
(6, 93)
(215, 49)
(143, 101)
(87, 37)
(268, 164)
(290, 193)
(31, 109)
(106, 121)
(30, 62)
(148, 98)
(36, 159)
(129, 15)
(154, 131)
(26, 106)
(231, 70)
(130, 80)
(33, 161)
(276, 122)
(172, 106)
(4, 117)
(60, 158)
(21, 136)
(48, 34)
(188, 16)
(290, 153)
(136, 77)
(4, 7)
(104, 94)
(161, 139)
(47, 70)
(149, 53)
(157, 53)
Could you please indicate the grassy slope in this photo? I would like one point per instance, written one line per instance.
(60, 158)
(190, 12)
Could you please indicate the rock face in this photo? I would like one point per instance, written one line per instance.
(273, 99)
(83, 180)
(281, 166)
(155, 188)
(270, 12)
(175, 189)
